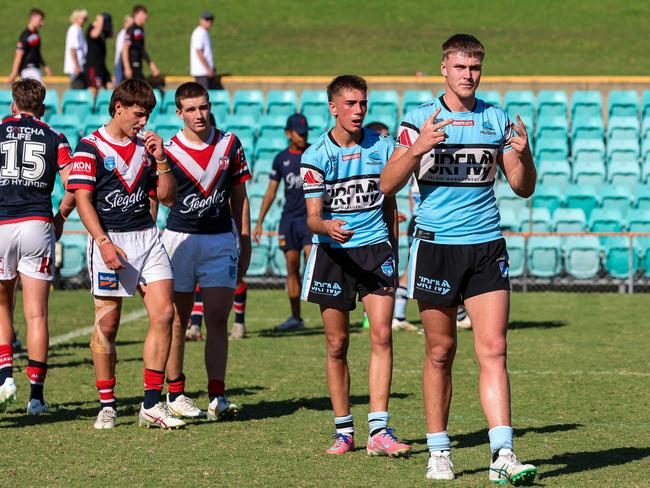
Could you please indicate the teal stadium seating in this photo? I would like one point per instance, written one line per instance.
(550, 197)
(588, 150)
(642, 196)
(103, 101)
(544, 256)
(6, 98)
(169, 102)
(268, 148)
(509, 220)
(383, 102)
(622, 149)
(642, 244)
(587, 172)
(516, 253)
(569, 220)
(51, 103)
(623, 127)
(638, 220)
(522, 103)
(615, 196)
(587, 128)
(248, 102)
(241, 125)
(586, 103)
(535, 220)
(505, 197)
(624, 173)
(271, 126)
(68, 124)
(92, 122)
(493, 97)
(581, 196)
(219, 104)
(259, 264)
(606, 220)
(314, 102)
(551, 148)
(623, 102)
(554, 173)
(551, 102)
(281, 102)
(582, 257)
(552, 127)
(617, 256)
(74, 255)
(414, 98)
(77, 102)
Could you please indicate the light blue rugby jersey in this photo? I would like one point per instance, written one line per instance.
(456, 178)
(347, 179)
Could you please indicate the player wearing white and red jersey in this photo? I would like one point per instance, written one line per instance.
(205, 224)
(114, 173)
(31, 154)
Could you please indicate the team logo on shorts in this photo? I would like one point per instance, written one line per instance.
(109, 163)
(504, 266)
(387, 267)
(233, 268)
(325, 288)
(108, 281)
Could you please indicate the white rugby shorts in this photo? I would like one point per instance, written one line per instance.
(207, 259)
(28, 248)
(147, 261)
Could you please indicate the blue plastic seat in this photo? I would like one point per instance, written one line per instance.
(554, 173)
(544, 256)
(269, 148)
(92, 122)
(623, 102)
(619, 127)
(314, 102)
(642, 245)
(588, 150)
(383, 102)
(51, 103)
(642, 196)
(74, 255)
(535, 220)
(161, 216)
(69, 124)
(582, 256)
(617, 256)
(259, 265)
(317, 125)
(586, 103)
(606, 220)
(551, 102)
(519, 101)
(493, 97)
(219, 104)
(102, 101)
(645, 103)
(162, 121)
(589, 172)
(6, 98)
(551, 127)
(645, 127)
(281, 102)
(551, 149)
(272, 126)
(638, 220)
(569, 220)
(624, 173)
(414, 98)
(159, 98)
(241, 125)
(618, 197)
(581, 196)
(168, 103)
(587, 128)
(248, 144)
(383, 118)
(248, 102)
(509, 220)
(624, 149)
(645, 148)
(550, 197)
(645, 170)
(516, 254)
(507, 198)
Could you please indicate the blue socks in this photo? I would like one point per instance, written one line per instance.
(438, 441)
(377, 421)
(500, 437)
(344, 425)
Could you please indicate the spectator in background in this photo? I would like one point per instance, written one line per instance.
(74, 57)
(201, 59)
(119, 47)
(96, 72)
(28, 59)
(134, 51)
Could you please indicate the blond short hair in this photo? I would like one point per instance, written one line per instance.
(81, 12)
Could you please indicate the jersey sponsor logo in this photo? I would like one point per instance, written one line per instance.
(124, 202)
(195, 203)
(287, 162)
(350, 157)
(23, 133)
(353, 195)
(457, 122)
(109, 163)
(488, 129)
(293, 181)
(432, 285)
(404, 137)
(374, 158)
(82, 167)
(326, 288)
(310, 179)
(108, 281)
(33, 40)
(387, 267)
(458, 165)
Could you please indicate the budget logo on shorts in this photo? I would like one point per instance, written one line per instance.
(439, 287)
(325, 288)
(107, 281)
(503, 266)
(109, 163)
(387, 267)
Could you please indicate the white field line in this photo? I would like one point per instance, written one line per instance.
(552, 372)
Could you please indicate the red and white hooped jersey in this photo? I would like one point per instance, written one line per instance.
(31, 153)
(121, 174)
(205, 174)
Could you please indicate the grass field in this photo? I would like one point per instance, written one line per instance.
(327, 37)
(579, 372)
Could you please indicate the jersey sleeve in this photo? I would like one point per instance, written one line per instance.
(507, 135)
(238, 164)
(312, 172)
(84, 168)
(408, 131)
(275, 169)
(63, 151)
(128, 35)
(21, 45)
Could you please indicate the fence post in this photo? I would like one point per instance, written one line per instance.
(630, 265)
(524, 284)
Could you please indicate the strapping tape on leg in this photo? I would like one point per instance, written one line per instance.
(99, 343)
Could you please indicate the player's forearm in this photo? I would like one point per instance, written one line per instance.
(17, 60)
(125, 56)
(75, 61)
(204, 61)
(88, 215)
(397, 172)
(523, 178)
(166, 191)
(316, 224)
(269, 196)
(67, 204)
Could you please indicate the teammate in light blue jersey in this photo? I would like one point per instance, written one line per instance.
(454, 145)
(352, 223)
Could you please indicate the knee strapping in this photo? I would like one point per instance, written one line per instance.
(99, 343)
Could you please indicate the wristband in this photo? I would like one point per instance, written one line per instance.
(163, 171)
(101, 240)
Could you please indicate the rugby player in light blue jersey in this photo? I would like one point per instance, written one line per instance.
(353, 226)
(454, 145)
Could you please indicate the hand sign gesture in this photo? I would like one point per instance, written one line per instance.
(430, 134)
(519, 142)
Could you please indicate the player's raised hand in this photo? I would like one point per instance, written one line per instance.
(334, 230)
(154, 144)
(519, 142)
(431, 134)
(111, 255)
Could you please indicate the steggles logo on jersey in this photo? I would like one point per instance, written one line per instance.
(354, 195)
(116, 199)
(432, 285)
(109, 163)
(325, 288)
(194, 202)
(459, 165)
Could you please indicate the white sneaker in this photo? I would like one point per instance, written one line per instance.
(7, 393)
(238, 331)
(403, 325)
(440, 466)
(158, 416)
(221, 408)
(507, 468)
(291, 323)
(37, 407)
(106, 418)
(193, 333)
(466, 323)
(183, 406)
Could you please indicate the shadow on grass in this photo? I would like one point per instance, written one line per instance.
(354, 329)
(85, 344)
(577, 462)
(536, 324)
(88, 362)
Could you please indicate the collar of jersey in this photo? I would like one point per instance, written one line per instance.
(333, 141)
(445, 107)
(104, 133)
(191, 145)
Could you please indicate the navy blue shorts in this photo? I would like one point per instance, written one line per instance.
(294, 234)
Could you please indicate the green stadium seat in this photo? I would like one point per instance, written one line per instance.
(581, 196)
(168, 104)
(493, 97)
(638, 220)
(623, 102)
(281, 102)
(263, 166)
(587, 128)
(642, 196)
(383, 102)
(642, 244)
(403, 256)
(550, 197)
(66, 123)
(582, 257)
(516, 252)
(161, 217)
(554, 173)
(51, 103)
(259, 264)
(551, 102)
(617, 256)
(158, 94)
(241, 125)
(220, 104)
(535, 220)
(162, 121)
(509, 220)
(586, 103)
(551, 149)
(551, 127)
(249, 102)
(589, 173)
(314, 102)
(6, 99)
(507, 198)
(74, 255)
(102, 101)
(624, 173)
(92, 122)
(606, 220)
(519, 100)
(622, 149)
(414, 98)
(384, 118)
(618, 197)
(272, 126)
(269, 148)
(619, 127)
(588, 150)
(256, 188)
(317, 125)
(569, 220)
(544, 256)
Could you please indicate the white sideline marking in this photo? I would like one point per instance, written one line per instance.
(550, 372)
(60, 339)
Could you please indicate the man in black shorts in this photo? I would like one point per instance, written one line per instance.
(28, 59)
(134, 51)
